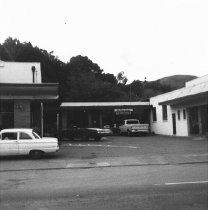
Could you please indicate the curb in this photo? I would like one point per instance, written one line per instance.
(89, 167)
(104, 163)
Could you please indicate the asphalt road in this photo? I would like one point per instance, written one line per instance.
(122, 187)
(144, 187)
(123, 146)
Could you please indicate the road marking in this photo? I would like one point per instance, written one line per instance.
(102, 164)
(100, 145)
(178, 183)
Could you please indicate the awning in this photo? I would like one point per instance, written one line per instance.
(187, 94)
(92, 105)
(34, 91)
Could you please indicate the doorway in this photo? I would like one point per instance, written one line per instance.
(174, 123)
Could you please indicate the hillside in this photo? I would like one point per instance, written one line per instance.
(176, 81)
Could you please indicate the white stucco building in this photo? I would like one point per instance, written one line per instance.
(20, 72)
(24, 99)
(182, 112)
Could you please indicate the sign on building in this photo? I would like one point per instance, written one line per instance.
(123, 111)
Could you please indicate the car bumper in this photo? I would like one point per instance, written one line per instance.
(104, 134)
(139, 131)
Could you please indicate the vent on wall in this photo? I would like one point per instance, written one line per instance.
(33, 73)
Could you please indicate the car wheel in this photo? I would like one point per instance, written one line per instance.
(85, 138)
(36, 154)
(128, 133)
(97, 138)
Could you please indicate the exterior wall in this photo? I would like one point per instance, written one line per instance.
(182, 124)
(22, 114)
(197, 88)
(161, 126)
(165, 127)
(19, 72)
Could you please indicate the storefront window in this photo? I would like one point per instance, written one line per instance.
(164, 112)
(154, 114)
(6, 115)
(179, 114)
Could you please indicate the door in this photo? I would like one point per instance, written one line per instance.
(174, 123)
(194, 120)
(26, 143)
(9, 144)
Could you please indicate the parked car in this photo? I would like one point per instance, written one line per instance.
(26, 142)
(132, 126)
(85, 133)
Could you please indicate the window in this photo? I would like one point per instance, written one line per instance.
(154, 114)
(9, 136)
(24, 136)
(164, 112)
(179, 114)
(36, 135)
(184, 114)
(6, 114)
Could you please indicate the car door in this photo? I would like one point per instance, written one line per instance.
(9, 144)
(26, 143)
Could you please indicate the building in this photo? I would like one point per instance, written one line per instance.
(182, 112)
(25, 101)
(100, 114)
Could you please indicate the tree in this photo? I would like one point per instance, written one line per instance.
(85, 81)
(121, 78)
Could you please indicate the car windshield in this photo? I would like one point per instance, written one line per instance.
(36, 135)
(132, 122)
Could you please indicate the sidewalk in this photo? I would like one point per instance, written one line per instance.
(143, 160)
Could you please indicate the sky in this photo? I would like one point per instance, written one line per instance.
(142, 38)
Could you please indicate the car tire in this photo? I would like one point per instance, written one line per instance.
(36, 154)
(97, 138)
(128, 133)
(85, 138)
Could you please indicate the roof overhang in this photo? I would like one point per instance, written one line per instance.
(200, 97)
(30, 91)
(93, 105)
(195, 93)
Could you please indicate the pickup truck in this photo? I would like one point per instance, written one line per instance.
(131, 126)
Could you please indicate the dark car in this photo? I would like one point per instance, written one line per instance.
(85, 133)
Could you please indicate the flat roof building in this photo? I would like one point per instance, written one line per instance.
(23, 97)
(182, 112)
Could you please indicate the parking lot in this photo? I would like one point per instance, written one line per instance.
(123, 146)
(116, 151)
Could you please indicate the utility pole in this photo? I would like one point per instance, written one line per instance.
(130, 93)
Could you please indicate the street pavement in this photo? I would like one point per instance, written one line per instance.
(116, 151)
(171, 187)
(150, 172)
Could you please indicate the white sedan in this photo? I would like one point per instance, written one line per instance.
(16, 141)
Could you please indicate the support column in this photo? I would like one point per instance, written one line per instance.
(101, 119)
(188, 121)
(57, 124)
(89, 119)
(22, 114)
(41, 110)
(200, 120)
